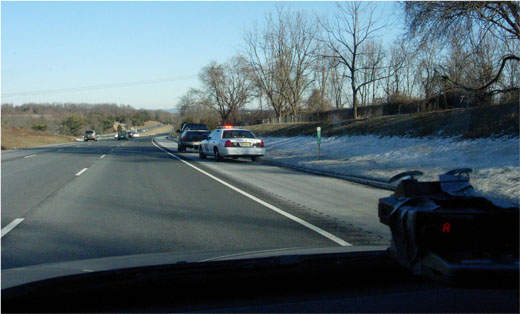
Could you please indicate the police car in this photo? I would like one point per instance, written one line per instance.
(234, 142)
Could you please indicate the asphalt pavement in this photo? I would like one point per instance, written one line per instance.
(114, 198)
(344, 208)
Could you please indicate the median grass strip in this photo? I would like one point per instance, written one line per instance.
(13, 138)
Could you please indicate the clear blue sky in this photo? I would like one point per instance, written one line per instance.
(60, 45)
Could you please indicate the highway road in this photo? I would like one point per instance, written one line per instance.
(112, 198)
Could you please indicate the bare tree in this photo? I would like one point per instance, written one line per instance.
(322, 71)
(229, 86)
(280, 55)
(371, 61)
(337, 83)
(353, 25)
(428, 61)
(471, 22)
(401, 71)
(195, 106)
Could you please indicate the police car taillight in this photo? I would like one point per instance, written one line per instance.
(228, 144)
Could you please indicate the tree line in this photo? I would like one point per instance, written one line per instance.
(73, 119)
(463, 52)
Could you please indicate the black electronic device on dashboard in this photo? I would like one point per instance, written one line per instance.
(443, 229)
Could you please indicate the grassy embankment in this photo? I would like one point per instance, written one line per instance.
(479, 122)
(13, 138)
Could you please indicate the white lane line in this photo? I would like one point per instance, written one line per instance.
(29, 156)
(81, 172)
(11, 226)
(274, 208)
(102, 156)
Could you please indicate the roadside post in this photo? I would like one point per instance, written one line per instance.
(318, 139)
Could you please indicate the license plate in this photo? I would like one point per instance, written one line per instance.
(245, 144)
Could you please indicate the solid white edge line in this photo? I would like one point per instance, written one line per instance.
(274, 208)
(29, 156)
(11, 226)
(81, 172)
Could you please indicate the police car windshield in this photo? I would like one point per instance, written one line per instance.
(237, 134)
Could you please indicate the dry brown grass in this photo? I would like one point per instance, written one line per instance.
(163, 129)
(150, 123)
(13, 138)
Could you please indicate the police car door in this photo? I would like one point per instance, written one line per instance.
(208, 146)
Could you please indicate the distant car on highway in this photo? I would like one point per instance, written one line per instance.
(136, 134)
(123, 135)
(228, 141)
(90, 135)
(191, 139)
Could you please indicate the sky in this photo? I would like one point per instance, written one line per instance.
(143, 54)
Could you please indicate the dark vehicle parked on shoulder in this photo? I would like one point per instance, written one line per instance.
(191, 139)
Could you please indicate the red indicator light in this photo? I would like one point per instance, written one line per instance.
(228, 126)
(446, 227)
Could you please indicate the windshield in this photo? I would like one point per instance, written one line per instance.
(196, 135)
(237, 134)
(296, 117)
(196, 127)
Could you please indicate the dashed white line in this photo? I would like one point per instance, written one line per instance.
(102, 156)
(81, 172)
(29, 156)
(324, 233)
(11, 226)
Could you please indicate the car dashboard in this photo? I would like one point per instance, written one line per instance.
(361, 279)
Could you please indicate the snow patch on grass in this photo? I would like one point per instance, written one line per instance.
(495, 161)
